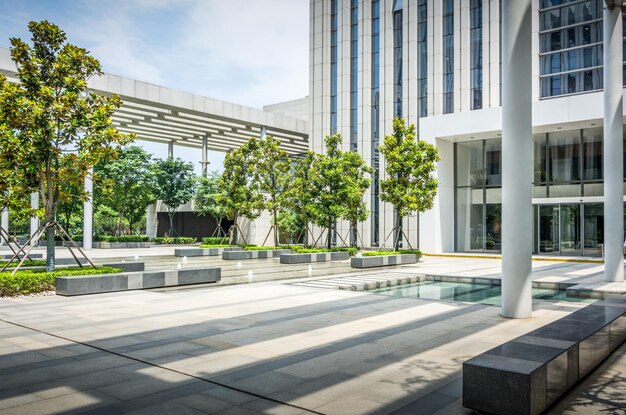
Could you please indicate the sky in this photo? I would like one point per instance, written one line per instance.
(250, 52)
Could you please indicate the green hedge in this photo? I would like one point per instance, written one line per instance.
(402, 251)
(27, 263)
(302, 250)
(214, 240)
(263, 248)
(216, 246)
(123, 238)
(35, 281)
(179, 240)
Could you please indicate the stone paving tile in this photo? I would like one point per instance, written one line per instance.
(62, 404)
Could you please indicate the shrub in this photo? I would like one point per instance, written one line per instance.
(262, 248)
(123, 238)
(215, 246)
(27, 263)
(301, 250)
(179, 240)
(35, 281)
(402, 251)
(215, 240)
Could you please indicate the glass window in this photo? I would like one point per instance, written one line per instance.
(470, 164)
(493, 162)
(540, 163)
(448, 56)
(469, 219)
(564, 164)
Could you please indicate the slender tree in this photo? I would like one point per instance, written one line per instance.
(410, 164)
(356, 172)
(272, 172)
(238, 191)
(300, 197)
(131, 185)
(175, 185)
(205, 201)
(51, 114)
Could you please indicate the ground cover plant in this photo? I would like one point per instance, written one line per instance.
(216, 246)
(263, 248)
(27, 263)
(302, 250)
(398, 252)
(179, 240)
(36, 281)
(215, 240)
(123, 238)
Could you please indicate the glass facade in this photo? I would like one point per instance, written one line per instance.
(570, 46)
(476, 54)
(354, 74)
(448, 56)
(375, 213)
(567, 169)
(422, 57)
(397, 58)
(333, 66)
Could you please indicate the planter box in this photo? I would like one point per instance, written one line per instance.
(120, 245)
(382, 260)
(239, 255)
(313, 257)
(60, 243)
(189, 252)
(31, 256)
(93, 284)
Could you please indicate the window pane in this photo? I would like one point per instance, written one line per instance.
(469, 219)
(470, 164)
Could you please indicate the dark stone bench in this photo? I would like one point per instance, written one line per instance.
(382, 260)
(93, 284)
(526, 375)
(266, 253)
(314, 257)
(189, 252)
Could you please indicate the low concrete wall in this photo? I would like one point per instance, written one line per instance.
(239, 255)
(382, 260)
(121, 245)
(313, 257)
(189, 252)
(93, 284)
(31, 256)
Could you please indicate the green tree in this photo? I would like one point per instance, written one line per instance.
(300, 198)
(239, 193)
(205, 201)
(175, 185)
(272, 173)
(130, 189)
(410, 164)
(335, 185)
(51, 113)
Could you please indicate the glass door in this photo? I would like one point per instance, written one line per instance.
(549, 229)
(570, 229)
(593, 229)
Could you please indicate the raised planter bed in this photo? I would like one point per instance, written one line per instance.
(121, 245)
(314, 257)
(93, 284)
(189, 252)
(382, 260)
(254, 254)
(526, 375)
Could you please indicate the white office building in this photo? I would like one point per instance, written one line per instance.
(437, 63)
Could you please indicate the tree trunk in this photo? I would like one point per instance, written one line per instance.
(329, 237)
(171, 231)
(233, 236)
(50, 248)
(399, 232)
(275, 228)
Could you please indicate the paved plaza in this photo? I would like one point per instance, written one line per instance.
(268, 347)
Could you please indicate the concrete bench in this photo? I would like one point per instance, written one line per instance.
(314, 257)
(267, 253)
(526, 375)
(93, 284)
(189, 252)
(382, 260)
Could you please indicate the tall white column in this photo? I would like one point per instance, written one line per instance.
(34, 221)
(4, 223)
(170, 149)
(263, 132)
(88, 212)
(613, 146)
(205, 156)
(516, 159)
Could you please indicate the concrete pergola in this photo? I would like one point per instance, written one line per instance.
(517, 153)
(169, 116)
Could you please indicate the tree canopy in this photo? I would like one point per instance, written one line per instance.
(54, 121)
(410, 184)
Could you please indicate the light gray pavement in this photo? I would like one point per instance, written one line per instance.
(257, 348)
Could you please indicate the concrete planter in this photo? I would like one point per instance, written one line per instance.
(313, 257)
(120, 245)
(239, 255)
(189, 252)
(382, 260)
(93, 284)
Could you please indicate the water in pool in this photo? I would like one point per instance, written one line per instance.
(470, 293)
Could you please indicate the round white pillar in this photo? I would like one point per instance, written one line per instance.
(88, 213)
(34, 221)
(4, 223)
(613, 147)
(516, 159)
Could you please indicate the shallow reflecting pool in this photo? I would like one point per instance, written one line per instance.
(470, 293)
